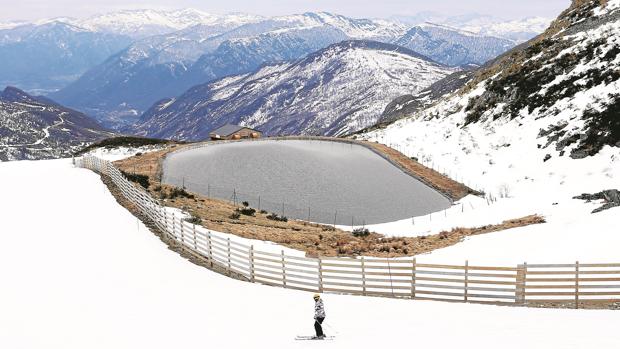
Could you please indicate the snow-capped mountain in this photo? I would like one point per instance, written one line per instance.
(46, 57)
(36, 128)
(451, 46)
(542, 117)
(335, 91)
(519, 30)
(147, 22)
(516, 30)
(165, 66)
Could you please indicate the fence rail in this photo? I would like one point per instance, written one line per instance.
(402, 278)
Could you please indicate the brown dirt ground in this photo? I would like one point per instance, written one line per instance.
(314, 239)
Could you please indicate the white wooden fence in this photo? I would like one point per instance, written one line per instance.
(403, 278)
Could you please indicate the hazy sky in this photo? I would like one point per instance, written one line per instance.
(508, 9)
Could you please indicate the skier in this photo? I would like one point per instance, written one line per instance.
(319, 316)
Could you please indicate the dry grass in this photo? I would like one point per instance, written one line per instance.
(430, 177)
(314, 239)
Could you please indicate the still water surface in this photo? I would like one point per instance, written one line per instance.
(322, 180)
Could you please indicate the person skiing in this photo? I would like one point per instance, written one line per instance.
(319, 316)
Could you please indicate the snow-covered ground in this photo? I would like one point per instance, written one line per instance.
(480, 154)
(79, 271)
(120, 153)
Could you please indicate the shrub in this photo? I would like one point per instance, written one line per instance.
(143, 180)
(247, 211)
(361, 232)
(235, 215)
(245, 204)
(275, 217)
(263, 211)
(180, 192)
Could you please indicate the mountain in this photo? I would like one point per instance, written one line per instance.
(519, 30)
(516, 30)
(451, 46)
(554, 100)
(46, 57)
(37, 128)
(121, 88)
(408, 104)
(147, 22)
(338, 90)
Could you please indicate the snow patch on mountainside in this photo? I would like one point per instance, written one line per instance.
(335, 91)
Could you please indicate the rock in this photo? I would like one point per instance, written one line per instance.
(611, 197)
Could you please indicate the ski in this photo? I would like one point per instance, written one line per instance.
(314, 338)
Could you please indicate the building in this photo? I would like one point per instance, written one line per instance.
(234, 132)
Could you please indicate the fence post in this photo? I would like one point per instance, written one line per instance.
(577, 285)
(166, 222)
(174, 227)
(210, 248)
(466, 291)
(283, 271)
(363, 277)
(413, 275)
(320, 274)
(195, 241)
(182, 231)
(520, 286)
(228, 251)
(252, 263)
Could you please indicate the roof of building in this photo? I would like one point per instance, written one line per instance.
(229, 129)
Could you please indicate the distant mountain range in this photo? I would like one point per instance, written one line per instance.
(453, 47)
(127, 84)
(335, 91)
(46, 57)
(115, 66)
(516, 30)
(37, 128)
(119, 90)
(147, 22)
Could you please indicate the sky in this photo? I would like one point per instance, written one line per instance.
(506, 9)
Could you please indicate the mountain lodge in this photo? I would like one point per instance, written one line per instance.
(233, 132)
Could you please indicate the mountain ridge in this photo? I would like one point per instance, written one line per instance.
(354, 78)
(34, 128)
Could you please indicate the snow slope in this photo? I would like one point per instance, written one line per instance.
(90, 281)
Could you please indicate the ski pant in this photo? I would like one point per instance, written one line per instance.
(317, 326)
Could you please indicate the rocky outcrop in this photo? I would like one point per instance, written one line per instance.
(611, 197)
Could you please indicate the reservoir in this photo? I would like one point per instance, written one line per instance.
(320, 181)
